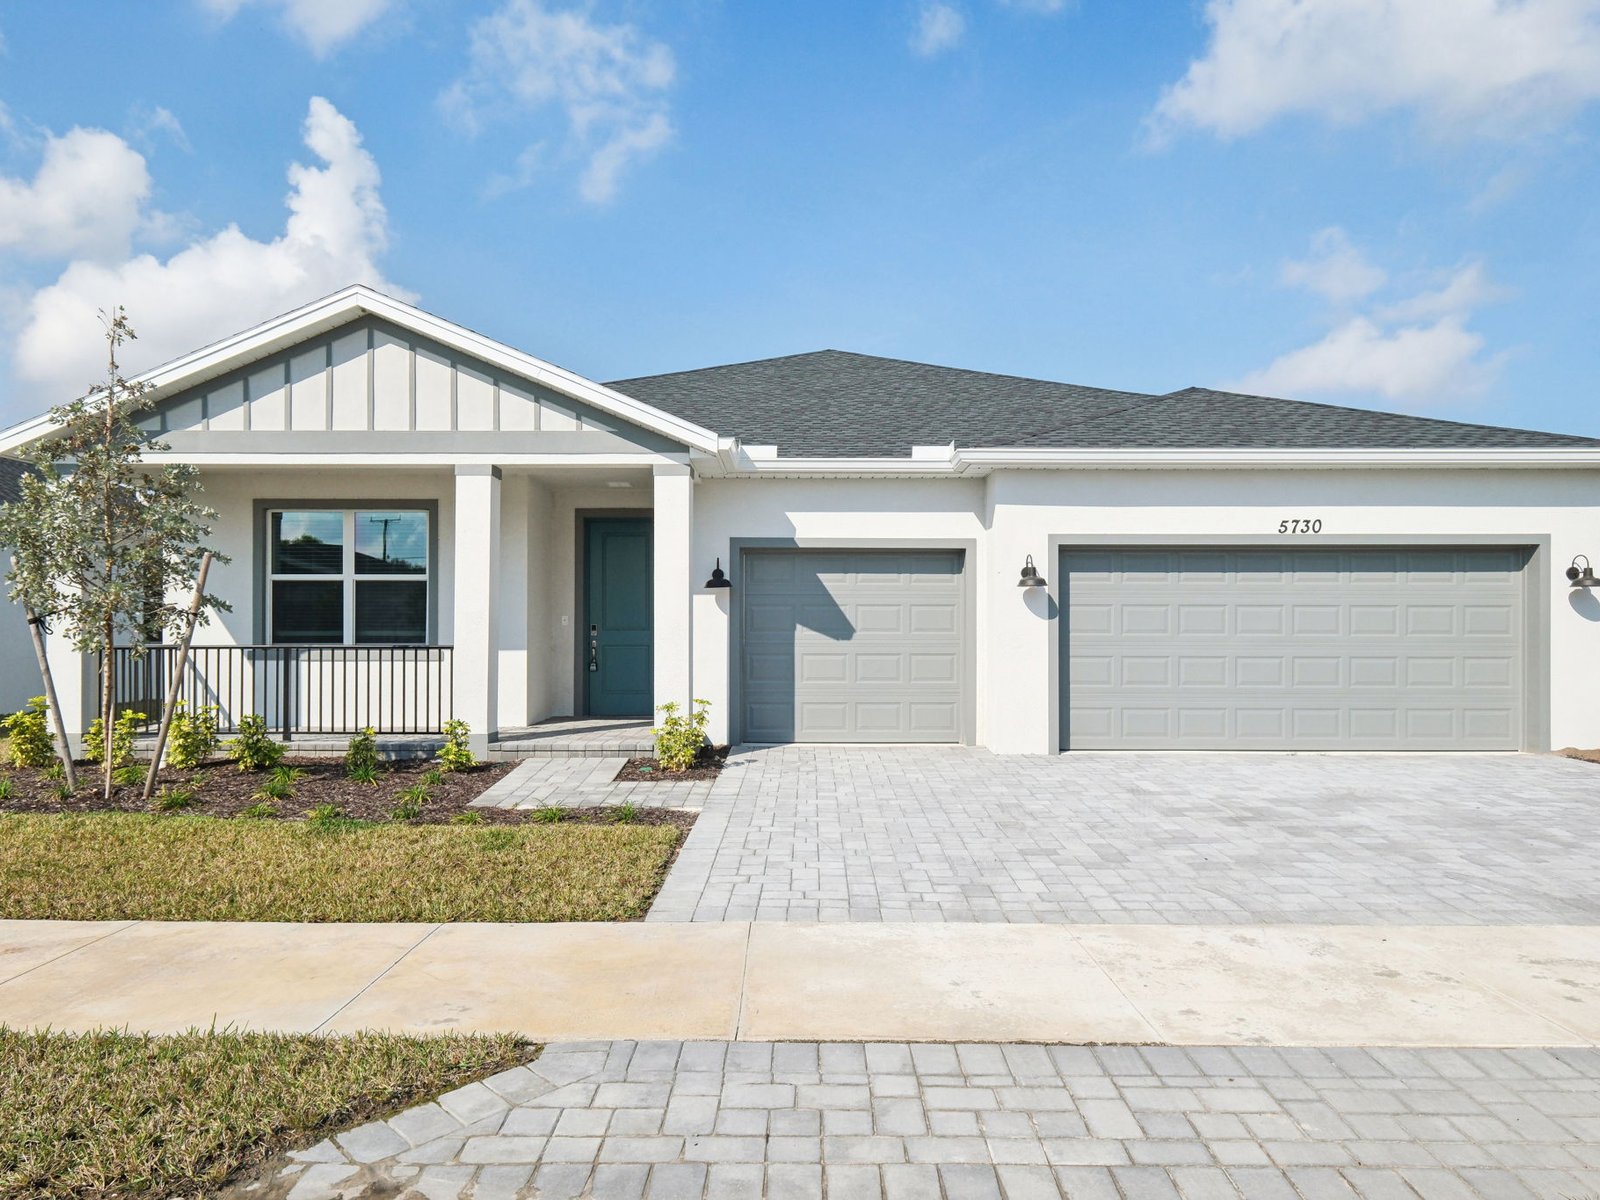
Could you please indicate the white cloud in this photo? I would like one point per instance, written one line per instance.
(147, 124)
(322, 24)
(1411, 365)
(1336, 270)
(939, 27)
(1413, 351)
(609, 81)
(600, 178)
(1466, 66)
(1467, 289)
(336, 230)
(87, 198)
(1047, 7)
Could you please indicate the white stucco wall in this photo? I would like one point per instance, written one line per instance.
(1006, 516)
(234, 494)
(819, 510)
(19, 666)
(558, 605)
(1017, 513)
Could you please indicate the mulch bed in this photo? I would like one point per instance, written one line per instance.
(648, 770)
(222, 790)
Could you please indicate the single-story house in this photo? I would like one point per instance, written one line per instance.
(833, 547)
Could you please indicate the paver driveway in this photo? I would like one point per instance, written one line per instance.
(957, 834)
(740, 1121)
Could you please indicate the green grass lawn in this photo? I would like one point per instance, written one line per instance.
(119, 1115)
(134, 866)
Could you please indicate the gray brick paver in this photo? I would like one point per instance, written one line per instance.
(1489, 1125)
(819, 833)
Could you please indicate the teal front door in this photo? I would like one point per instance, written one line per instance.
(617, 588)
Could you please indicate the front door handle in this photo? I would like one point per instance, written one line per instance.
(594, 647)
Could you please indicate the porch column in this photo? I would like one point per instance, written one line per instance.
(77, 686)
(674, 577)
(476, 613)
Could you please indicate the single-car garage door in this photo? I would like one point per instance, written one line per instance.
(1259, 649)
(852, 646)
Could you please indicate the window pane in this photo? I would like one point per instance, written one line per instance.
(307, 543)
(391, 612)
(391, 543)
(307, 612)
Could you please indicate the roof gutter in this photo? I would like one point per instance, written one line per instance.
(734, 460)
(1471, 458)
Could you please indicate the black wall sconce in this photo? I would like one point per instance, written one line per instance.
(718, 579)
(1030, 575)
(1586, 578)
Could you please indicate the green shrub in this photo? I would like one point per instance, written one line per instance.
(410, 804)
(625, 814)
(280, 784)
(325, 816)
(260, 811)
(467, 818)
(130, 775)
(193, 736)
(253, 749)
(6, 788)
(550, 814)
(433, 777)
(173, 799)
(361, 759)
(679, 739)
(122, 735)
(455, 754)
(29, 731)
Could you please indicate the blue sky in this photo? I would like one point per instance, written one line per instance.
(1384, 203)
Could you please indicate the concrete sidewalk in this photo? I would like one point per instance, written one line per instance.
(1190, 985)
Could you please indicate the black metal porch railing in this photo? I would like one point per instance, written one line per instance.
(311, 689)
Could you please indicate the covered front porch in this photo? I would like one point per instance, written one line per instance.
(545, 605)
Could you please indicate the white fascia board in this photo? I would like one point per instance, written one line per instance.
(312, 461)
(980, 462)
(1278, 459)
(359, 300)
(15, 437)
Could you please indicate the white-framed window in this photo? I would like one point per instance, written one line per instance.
(351, 576)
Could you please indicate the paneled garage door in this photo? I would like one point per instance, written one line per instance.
(852, 646)
(1246, 649)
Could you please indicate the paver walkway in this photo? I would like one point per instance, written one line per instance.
(670, 1120)
(956, 834)
(586, 782)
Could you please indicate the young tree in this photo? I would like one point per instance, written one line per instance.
(103, 539)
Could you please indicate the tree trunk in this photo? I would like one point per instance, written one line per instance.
(108, 702)
(108, 627)
(57, 725)
(176, 683)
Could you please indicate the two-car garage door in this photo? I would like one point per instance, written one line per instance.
(1267, 649)
(1204, 648)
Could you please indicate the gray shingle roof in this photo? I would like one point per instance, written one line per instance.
(11, 472)
(832, 403)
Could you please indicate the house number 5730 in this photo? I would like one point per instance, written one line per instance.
(1301, 525)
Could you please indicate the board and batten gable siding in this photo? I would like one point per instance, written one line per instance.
(370, 376)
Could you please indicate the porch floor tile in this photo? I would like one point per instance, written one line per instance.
(566, 737)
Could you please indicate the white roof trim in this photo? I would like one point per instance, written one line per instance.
(360, 300)
(956, 462)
